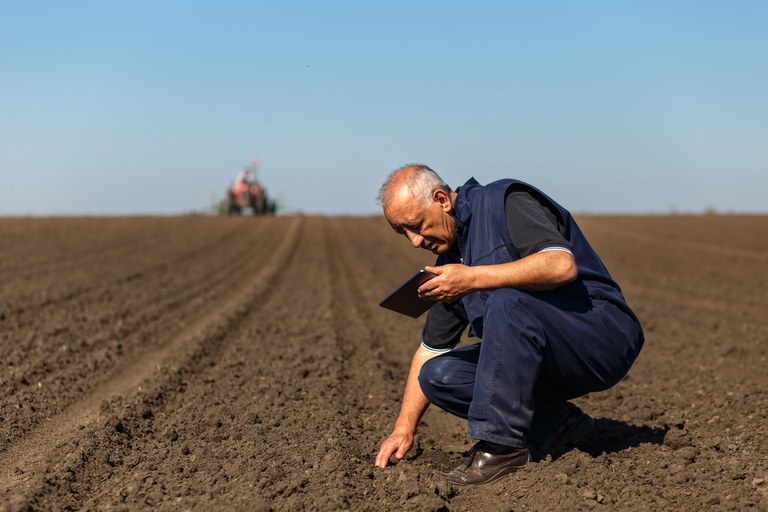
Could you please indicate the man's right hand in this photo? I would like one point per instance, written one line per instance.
(414, 405)
(398, 443)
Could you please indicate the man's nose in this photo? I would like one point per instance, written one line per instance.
(415, 239)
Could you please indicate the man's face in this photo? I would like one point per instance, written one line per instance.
(432, 227)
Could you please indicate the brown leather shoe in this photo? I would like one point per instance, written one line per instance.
(484, 467)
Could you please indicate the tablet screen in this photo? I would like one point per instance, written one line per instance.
(405, 299)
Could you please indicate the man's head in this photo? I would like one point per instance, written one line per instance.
(418, 204)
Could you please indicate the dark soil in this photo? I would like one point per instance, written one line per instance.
(199, 363)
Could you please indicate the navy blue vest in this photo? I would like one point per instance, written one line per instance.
(483, 239)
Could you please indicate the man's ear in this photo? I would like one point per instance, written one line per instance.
(443, 199)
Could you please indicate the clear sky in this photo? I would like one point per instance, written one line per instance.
(153, 106)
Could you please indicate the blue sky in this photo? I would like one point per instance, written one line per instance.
(608, 106)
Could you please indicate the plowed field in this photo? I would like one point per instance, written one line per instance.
(199, 363)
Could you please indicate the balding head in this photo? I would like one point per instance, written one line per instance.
(414, 180)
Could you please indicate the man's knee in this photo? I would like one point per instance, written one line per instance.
(434, 374)
(443, 375)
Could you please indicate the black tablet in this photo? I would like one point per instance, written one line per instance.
(405, 300)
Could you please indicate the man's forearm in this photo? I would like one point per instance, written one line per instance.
(414, 401)
(537, 272)
(414, 404)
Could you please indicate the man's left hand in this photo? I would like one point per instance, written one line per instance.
(451, 282)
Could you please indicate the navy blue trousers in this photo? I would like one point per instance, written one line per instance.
(538, 350)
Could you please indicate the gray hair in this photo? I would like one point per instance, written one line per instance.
(420, 180)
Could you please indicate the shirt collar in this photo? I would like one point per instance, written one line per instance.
(462, 209)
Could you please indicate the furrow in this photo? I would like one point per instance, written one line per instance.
(28, 464)
(118, 335)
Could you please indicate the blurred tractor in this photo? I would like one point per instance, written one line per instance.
(238, 196)
(246, 192)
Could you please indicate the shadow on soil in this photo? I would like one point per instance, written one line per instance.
(611, 436)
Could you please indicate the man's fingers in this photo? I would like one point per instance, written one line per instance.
(398, 447)
(425, 288)
(384, 454)
(386, 451)
(381, 459)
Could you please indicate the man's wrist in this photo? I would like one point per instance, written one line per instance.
(479, 278)
(405, 426)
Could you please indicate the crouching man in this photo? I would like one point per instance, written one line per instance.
(513, 266)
